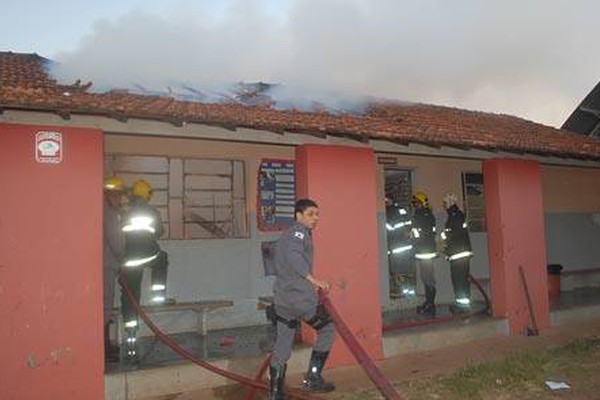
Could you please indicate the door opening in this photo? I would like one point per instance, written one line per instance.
(402, 269)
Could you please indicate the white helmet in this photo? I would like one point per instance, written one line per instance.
(450, 199)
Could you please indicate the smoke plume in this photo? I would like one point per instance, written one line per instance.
(534, 59)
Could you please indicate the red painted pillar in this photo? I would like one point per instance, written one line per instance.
(51, 263)
(342, 181)
(515, 224)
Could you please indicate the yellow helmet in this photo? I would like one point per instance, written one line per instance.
(420, 198)
(142, 189)
(114, 184)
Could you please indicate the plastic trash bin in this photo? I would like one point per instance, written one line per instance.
(554, 280)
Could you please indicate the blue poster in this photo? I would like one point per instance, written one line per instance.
(276, 194)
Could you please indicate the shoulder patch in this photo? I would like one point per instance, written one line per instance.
(299, 235)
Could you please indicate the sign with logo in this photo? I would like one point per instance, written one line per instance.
(48, 147)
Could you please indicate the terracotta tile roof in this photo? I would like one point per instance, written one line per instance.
(25, 85)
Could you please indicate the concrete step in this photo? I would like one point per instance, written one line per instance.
(177, 378)
(433, 336)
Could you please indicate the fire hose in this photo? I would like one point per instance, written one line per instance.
(445, 318)
(380, 381)
(251, 392)
(293, 393)
(483, 293)
(356, 349)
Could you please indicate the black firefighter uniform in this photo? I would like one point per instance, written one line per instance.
(398, 226)
(457, 249)
(142, 227)
(423, 235)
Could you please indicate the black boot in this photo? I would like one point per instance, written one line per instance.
(277, 380)
(313, 381)
(428, 307)
(131, 348)
(111, 352)
(462, 305)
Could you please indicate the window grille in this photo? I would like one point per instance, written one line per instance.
(197, 198)
(472, 185)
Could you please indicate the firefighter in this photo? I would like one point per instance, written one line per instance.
(423, 236)
(295, 298)
(398, 226)
(142, 227)
(114, 251)
(457, 249)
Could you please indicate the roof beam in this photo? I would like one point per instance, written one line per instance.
(593, 111)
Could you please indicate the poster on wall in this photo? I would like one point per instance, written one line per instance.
(276, 194)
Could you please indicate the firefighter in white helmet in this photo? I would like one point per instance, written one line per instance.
(142, 227)
(114, 250)
(458, 250)
(423, 236)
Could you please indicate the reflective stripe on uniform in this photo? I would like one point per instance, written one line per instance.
(140, 261)
(397, 226)
(460, 255)
(131, 324)
(425, 256)
(140, 224)
(401, 249)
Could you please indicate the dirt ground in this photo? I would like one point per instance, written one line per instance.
(424, 369)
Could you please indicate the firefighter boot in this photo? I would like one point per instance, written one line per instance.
(111, 351)
(428, 307)
(131, 345)
(313, 381)
(461, 305)
(277, 379)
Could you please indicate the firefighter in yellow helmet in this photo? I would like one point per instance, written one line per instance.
(142, 189)
(114, 251)
(142, 227)
(424, 245)
(458, 251)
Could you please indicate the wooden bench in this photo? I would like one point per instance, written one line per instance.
(201, 308)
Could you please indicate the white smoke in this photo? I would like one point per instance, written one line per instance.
(534, 59)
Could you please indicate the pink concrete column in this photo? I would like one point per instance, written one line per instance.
(51, 263)
(515, 225)
(342, 181)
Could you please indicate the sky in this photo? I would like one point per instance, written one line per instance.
(536, 59)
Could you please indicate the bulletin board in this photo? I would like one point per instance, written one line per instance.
(276, 194)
